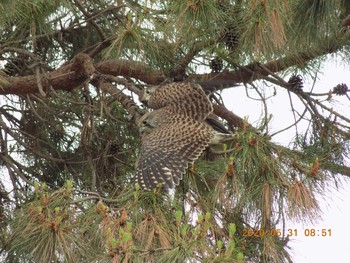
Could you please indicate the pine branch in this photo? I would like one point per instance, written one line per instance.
(255, 71)
(89, 20)
(77, 72)
(118, 95)
(68, 77)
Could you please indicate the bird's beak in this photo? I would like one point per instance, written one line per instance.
(145, 98)
(144, 102)
(142, 129)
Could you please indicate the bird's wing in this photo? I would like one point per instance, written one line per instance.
(186, 99)
(168, 149)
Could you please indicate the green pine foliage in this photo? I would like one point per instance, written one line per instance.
(69, 140)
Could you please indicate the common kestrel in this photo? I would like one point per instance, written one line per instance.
(174, 134)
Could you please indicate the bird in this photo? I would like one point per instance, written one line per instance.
(174, 134)
(156, 97)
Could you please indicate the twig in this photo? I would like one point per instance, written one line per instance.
(89, 19)
(38, 81)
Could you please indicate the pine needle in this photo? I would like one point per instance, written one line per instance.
(301, 202)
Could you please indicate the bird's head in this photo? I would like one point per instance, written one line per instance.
(148, 122)
(147, 93)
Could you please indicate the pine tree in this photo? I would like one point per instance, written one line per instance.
(71, 73)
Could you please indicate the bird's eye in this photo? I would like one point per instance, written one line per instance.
(148, 91)
(145, 122)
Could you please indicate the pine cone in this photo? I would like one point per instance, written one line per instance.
(216, 65)
(56, 136)
(231, 38)
(340, 89)
(296, 83)
(114, 148)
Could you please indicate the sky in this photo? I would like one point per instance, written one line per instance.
(335, 204)
(336, 248)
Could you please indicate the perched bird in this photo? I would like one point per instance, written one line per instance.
(156, 97)
(174, 134)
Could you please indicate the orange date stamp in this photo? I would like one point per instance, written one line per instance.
(290, 232)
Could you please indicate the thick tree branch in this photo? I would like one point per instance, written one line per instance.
(255, 71)
(133, 69)
(232, 119)
(76, 73)
(67, 78)
(71, 76)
